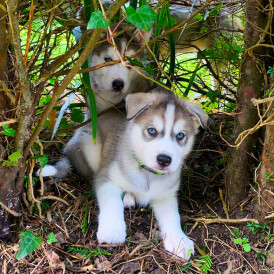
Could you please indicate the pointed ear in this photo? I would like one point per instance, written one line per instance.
(103, 35)
(143, 36)
(199, 113)
(136, 103)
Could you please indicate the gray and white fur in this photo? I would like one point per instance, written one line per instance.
(111, 84)
(154, 138)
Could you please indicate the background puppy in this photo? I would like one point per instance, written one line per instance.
(111, 84)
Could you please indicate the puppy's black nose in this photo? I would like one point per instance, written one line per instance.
(164, 160)
(118, 85)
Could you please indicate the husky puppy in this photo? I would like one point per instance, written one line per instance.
(141, 156)
(111, 84)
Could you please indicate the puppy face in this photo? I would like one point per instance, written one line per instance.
(162, 133)
(115, 79)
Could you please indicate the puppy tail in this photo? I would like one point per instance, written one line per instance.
(60, 170)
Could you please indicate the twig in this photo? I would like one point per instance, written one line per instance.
(12, 212)
(30, 191)
(261, 101)
(224, 204)
(220, 220)
(50, 197)
(68, 192)
(63, 222)
(10, 121)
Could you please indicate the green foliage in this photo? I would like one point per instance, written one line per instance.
(85, 218)
(191, 80)
(64, 123)
(186, 267)
(237, 233)
(162, 18)
(87, 253)
(43, 160)
(97, 21)
(261, 256)
(28, 244)
(270, 71)
(206, 263)
(268, 176)
(13, 159)
(77, 115)
(8, 131)
(137, 63)
(51, 238)
(258, 228)
(213, 95)
(143, 18)
(216, 10)
(244, 243)
(199, 17)
(203, 29)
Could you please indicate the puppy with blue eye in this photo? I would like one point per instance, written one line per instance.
(145, 162)
(141, 156)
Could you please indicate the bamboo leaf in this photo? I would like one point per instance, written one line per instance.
(61, 113)
(191, 80)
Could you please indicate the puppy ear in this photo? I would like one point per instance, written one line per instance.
(143, 36)
(138, 102)
(103, 35)
(199, 113)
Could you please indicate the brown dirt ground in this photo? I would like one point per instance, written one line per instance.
(143, 252)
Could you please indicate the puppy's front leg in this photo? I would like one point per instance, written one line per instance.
(112, 226)
(175, 241)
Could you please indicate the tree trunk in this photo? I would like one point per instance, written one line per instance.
(4, 42)
(240, 161)
(266, 177)
(9, 191)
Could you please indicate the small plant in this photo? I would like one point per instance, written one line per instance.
(258, 228)
(270, 71)
(244, 243)
(261, 256)
(8, 131)
(13, 159)
(268, 176)
(85, 218)
(206, 263)
(87, 253)
(51, 238)
(269, 238)
(237, 233)
(28, 244)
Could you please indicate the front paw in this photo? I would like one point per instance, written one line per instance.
(179, 245)
(129, 200)
(112, 232)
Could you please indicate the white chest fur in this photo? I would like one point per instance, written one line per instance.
(145, 186)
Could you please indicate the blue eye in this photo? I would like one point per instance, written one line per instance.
(108, 59)
(180, 136)
(152, 131)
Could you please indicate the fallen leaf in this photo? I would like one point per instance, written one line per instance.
(54, 261)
